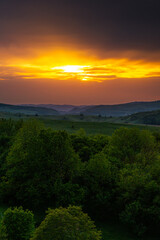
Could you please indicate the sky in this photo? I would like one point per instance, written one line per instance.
(79, 51)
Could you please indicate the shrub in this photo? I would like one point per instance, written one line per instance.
(17, 224)
(67, 224)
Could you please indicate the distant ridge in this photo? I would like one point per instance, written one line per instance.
(117, 110)
(61, 108)
(28, 110)
(149, 118)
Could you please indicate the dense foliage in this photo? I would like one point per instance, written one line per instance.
(17, 224)
(37, 161)
(67, 224)
(117, 176)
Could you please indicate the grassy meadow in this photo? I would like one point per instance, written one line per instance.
(91, 127)
(90, 124)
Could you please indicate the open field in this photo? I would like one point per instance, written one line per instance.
(91, 124)
(91, 127)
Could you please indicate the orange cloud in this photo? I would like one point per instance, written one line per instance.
(58, 66)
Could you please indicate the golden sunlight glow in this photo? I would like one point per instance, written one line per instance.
(71, 68)
(66, 65)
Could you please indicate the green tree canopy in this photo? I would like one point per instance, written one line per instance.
(67, 224)
(37, 159)
(17, 224)
(132, 145)
(98, 179)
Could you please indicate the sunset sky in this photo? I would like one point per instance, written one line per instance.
(79, 51)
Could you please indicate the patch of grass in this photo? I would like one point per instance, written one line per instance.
(72, 123)
(91, 127)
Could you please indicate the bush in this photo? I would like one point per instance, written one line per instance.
(67, 224)
(17, 224)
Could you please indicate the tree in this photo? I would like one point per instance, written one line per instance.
(139, 201)
(98, 180)
(67, 224)
(132, 145)
(17, 224)
(133, 216)
(8, 129)
(68, 193)
(38, 158)
(88, 146)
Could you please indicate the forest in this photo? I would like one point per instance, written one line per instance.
(75, 178)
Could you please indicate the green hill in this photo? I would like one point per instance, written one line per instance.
(150, 118)
(118, 110)
(121, 109)
(27, 110)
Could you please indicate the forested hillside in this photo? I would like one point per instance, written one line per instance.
(152, 118)
(112, 177)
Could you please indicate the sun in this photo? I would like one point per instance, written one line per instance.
(71, 68)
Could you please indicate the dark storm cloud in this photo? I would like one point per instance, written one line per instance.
(100, 24)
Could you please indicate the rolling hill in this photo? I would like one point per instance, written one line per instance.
(151, 118)
(103, 110)
(27, 110)
(60, 108)
(120, 109)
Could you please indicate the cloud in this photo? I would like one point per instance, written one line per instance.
(95, 70)
(117, 40)
(99, 25)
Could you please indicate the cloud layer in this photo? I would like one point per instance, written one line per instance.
(115, 43)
